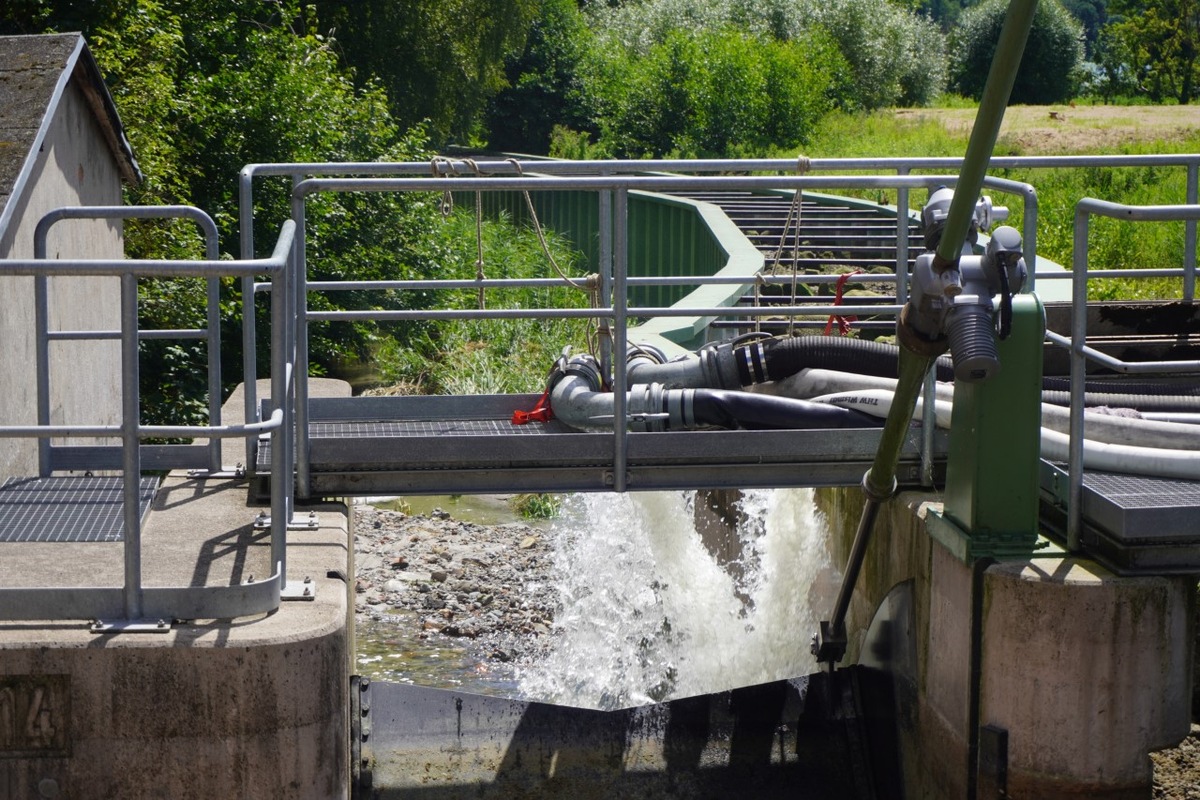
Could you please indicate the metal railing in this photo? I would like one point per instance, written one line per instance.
(900, 167)
(169, 456)
(615, 308)
(133, 603)
(1081, 353)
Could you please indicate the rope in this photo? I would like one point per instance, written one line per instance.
(794, 212)
(843, 322)
(447, 204)
(591, 285)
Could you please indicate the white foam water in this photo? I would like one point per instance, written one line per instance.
(647, 614)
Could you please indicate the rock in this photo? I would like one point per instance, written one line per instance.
(438, 576)
(528, 542)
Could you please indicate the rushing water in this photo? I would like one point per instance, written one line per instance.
(647, 613)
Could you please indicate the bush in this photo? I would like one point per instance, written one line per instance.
(894, 57)
(722, 93)
(1050, 70)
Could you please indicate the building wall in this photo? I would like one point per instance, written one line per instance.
(74, 167)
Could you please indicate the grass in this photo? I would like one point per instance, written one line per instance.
(1109, 130)
(462, 357)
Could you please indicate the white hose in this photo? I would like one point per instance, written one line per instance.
(1154, 461)
(1099, 427)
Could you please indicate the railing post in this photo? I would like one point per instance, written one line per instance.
(605, 270)
(281, 437)
(41, 325)
(902, 240)
(297, 329)
(249, 323)
(213, 342)
(620, 301)
(1078, 377)
(131, 451)
(1029, 235)
(1189, 246)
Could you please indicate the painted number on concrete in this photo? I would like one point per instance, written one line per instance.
(33, 715)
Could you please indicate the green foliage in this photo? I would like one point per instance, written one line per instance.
(487, 356)
(888, 54)
(895, 57)
(438, 60)
(536, 506)
(1050, 69)
(676, 98)
(1156, 45)
(544, 85)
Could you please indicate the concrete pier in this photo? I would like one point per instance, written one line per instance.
(1048, 677)
(251, 707)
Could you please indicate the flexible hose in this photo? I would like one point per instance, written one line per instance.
(778, 359)
(775, 359)
(1157, 462)
(1146, 402)
(1100, 427)
(763, 412)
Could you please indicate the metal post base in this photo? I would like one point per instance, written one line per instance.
(299, 590)
(130, 626)
(224, 472)
(309, 523)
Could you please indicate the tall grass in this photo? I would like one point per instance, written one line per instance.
(1112, 244)
(487, 356)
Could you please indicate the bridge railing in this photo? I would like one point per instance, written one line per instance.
(1081, 353)
(131, 605)
(616, 309)
(610, 180)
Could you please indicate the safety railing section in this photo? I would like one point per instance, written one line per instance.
(134, 606)
(615, 309)
(1081, 353)
(163, 456)
(578, 216)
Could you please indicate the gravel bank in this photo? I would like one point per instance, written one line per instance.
(484, 586)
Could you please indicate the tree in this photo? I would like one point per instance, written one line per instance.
(438, 60)
(544, 84)
(1050, 68)
(1160, 42)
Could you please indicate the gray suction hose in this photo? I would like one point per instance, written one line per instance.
(577, 400)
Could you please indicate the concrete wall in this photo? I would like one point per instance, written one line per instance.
(1086, 671)
(75, 167)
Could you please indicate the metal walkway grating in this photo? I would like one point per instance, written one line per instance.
(67, 509)
(1141, 508)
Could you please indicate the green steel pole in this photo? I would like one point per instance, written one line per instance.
(1001, 76)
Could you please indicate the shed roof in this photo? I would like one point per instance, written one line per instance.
(34, 73)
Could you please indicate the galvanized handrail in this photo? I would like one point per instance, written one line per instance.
(1080, 353)
(134, 602)
(211, 333)
(618, 312)
(903, 167)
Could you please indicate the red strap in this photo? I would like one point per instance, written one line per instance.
(539, 413)
(843, 322)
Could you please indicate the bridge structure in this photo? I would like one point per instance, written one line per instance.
(688, 254)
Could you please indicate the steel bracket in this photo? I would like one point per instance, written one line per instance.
(308, 523)
(130, 626)
(299, 590)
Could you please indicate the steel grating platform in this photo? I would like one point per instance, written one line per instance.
(67, 509)
(1132, 523)
(451, 445)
